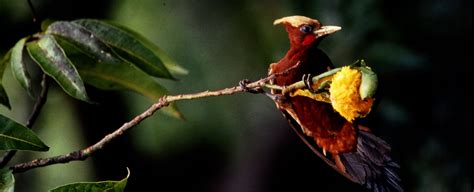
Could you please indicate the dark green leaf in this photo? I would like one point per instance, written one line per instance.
(7, 181)
(86, 41)
(3, 94)
(105, 71)
(18, 66)
(115, 186)
(92, 43)
(54, 62)
(18, 137)
(134, 47)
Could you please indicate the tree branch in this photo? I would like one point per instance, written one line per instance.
(40, 101)
(163, 102)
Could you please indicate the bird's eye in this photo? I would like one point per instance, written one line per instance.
(306, 29)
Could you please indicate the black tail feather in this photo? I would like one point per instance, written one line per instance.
(371, 164)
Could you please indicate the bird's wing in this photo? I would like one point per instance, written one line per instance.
(369, 164)
(295, 126)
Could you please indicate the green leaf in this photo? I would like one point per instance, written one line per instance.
(18, 66)
(3, 94)
(105, 71)
(369, 81)
(115, 186)
(94, 44)
(7, 181)
(54, 62)
(86, 41)
(18, 137)
(134, 47)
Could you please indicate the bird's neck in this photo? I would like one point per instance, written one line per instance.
(297, 54)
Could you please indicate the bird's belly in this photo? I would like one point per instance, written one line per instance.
(318, 120)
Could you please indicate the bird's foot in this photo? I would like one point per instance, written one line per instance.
(308, 82)
(243, 84)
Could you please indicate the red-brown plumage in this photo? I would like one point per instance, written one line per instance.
(318, 120)
(355, 152)
(330, 131)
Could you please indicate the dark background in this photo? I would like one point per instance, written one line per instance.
(420, 50)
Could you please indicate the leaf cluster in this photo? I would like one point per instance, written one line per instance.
(101, 54)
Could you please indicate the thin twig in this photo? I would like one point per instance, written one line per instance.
(33, 12)
(40, 101)
(163, 102)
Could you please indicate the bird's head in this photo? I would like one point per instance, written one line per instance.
(304, 31)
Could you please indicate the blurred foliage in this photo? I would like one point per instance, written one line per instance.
(7, 181)
(419, 49)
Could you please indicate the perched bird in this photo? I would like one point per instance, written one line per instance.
(352, 149)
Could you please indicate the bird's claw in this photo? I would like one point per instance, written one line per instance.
(243, 84)
(308, 82)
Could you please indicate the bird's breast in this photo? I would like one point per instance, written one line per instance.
(317, 119)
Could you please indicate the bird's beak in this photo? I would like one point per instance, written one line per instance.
(326, 30)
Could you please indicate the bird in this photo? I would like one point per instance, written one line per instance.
(348, 147)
